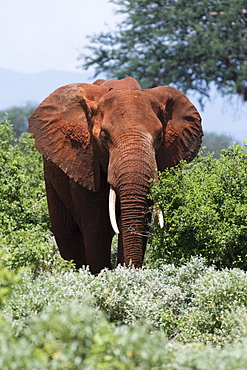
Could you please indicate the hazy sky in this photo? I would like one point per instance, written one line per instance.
(39, 35)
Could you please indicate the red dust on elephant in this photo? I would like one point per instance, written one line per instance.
(106, 141)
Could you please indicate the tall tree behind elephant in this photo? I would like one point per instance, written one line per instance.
(105, 138)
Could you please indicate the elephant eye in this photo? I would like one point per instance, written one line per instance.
(104, 137)
(159, 138)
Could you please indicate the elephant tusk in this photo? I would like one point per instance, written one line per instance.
(112, 210)
(160, 216)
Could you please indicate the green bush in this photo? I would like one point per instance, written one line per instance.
(127, 296)
(205, 211)
(56, 321)
(188, 303)
(217, 311)
(80, 337)
(25, 234)
(22, 191)
(7, 280)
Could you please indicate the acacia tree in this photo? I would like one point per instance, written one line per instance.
(186, 43)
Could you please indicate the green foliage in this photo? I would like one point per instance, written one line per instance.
(7, 280)
(188, 44)
(166, 318)
(79, 337)
(191, 303)
(22, 184)
(24, 223)
(56, 321)
(32, 296)
(205, 210)
(217, 311)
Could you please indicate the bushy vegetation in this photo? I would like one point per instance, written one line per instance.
(189, 303)
(25, 234)
(127, 318)
(176, 313)
(205, 211)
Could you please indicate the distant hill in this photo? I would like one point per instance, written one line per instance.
(17, 88)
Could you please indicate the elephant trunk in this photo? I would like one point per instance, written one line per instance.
(133, 203)
(129, 172)
(132, 186)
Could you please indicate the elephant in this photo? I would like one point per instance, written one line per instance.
(109, 137)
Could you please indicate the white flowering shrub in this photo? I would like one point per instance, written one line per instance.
(217, 311)
(77, 336)
(188, 303)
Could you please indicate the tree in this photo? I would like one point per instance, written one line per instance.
(189, 44)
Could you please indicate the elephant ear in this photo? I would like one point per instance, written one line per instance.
(182, 127)
(61, 129)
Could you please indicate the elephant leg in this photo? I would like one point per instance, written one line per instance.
(66, 231)
(93, 217)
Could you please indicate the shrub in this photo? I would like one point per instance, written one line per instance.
(79, 337)
(22, 190)
(153, 296)
(74, 320)
(25, 234)
(7, 280)
(217, 311)
(189, 303)
(127, 296)
(205, 211)
(32, 296)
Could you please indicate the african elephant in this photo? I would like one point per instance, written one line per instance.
(109, 137)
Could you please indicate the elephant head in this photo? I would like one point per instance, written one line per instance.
(114, 134)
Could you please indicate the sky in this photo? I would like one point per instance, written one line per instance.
(40, 35)
(37, 35)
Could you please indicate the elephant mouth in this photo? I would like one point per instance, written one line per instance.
(112, 211)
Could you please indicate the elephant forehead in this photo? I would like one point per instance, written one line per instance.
(131, 100)
(122, 110)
